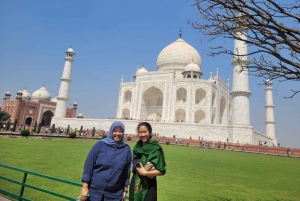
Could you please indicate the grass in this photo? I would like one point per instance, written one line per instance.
(192, 173)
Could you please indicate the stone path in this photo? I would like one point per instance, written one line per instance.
(4, 199)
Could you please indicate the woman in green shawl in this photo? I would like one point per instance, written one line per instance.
(143, 185)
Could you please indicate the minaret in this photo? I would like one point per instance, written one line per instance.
(240, 85)
(270, 123)
(63, 95)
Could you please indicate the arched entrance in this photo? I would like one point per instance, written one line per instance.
(181, 95)
(127, 97)
(126, 114)
(180, 115)
(46, 118)
(199, 116)
(152, 105)
(28, 121)
(222, 111)
(43, 122)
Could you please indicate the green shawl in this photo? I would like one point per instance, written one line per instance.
(152, 152)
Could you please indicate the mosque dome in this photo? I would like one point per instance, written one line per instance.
(54, 99)
(70, 50)
(178, 54)
(41, 93)
(75, 104)
(80, 115)
(192, 67)
(26, 95)
(142, 70)
(19, 92)
(7, 93)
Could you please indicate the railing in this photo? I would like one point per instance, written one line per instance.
(23, 184)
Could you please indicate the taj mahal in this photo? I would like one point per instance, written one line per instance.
(177, 101)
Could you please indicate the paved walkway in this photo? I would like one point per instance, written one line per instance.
(3, 199)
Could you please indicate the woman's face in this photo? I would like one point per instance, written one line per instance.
(117, 134)
(144, 134)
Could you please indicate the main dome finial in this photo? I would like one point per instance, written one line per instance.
(180, 33)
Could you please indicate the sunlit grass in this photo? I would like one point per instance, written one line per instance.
(192, 173)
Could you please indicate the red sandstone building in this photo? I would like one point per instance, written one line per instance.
(38, 107)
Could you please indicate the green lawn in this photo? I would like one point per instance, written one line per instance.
(192, 173)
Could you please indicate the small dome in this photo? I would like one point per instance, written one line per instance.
(192, 67)
(7, 93)
(142, 70)
(268, 81)
(54, 99)
(177, 55)
(41, 93)
(80, 115)
(19, 92)
(75, 104)
(70, 50)
(26, 95)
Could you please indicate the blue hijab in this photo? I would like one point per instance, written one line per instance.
(110, 141)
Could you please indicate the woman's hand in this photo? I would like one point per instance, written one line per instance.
(124, 196)
(124, 193)
(141, 170)
(84, 192)
(151, 174)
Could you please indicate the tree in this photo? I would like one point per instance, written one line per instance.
(7, 125)
(39, 128)
(15, 125)
(34, 128)
(81, 129)
(68, 130)
(94, 131)
(4, 116)
(52, 129)
(273, 34)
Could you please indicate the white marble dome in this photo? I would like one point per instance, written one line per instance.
(142, 70)
(178, 54)
(80, 115)
(26, 95)
(192, 67)
(41, 93)
(70, 50)
(268, 81)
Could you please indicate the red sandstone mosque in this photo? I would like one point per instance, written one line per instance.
(38, 107)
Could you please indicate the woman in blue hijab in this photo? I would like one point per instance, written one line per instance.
(107, 167)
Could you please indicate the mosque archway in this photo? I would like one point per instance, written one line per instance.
(126, 113)
(181, 95)
(222, 111)
(199, 116)
(28, 121)
(127, 97)
(180, 115)
(47, 117)
(152, 105)
(200, 97)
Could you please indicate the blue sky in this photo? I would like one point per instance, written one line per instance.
(110, 39)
